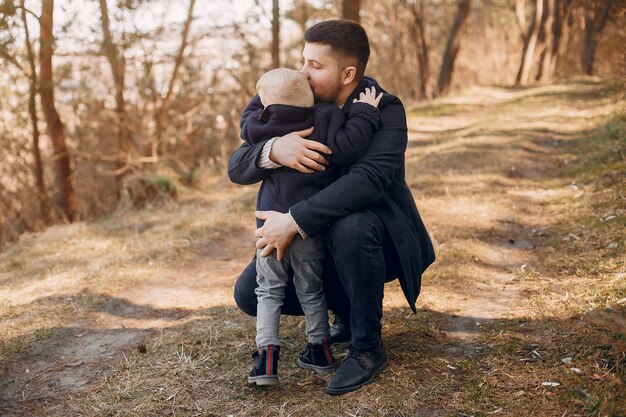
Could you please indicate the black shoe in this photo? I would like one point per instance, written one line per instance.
(265, 371)
(317, 357)
(340, 331)
(358, 369)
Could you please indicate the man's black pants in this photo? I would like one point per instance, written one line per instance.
(359, 261)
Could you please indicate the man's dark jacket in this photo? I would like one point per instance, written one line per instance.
(285, 187)
(375, 182)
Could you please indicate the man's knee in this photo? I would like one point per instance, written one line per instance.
(245, 297)
(349, 235)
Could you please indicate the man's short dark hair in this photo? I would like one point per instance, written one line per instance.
(347, 39)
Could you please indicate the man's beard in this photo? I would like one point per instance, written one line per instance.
(330, 95)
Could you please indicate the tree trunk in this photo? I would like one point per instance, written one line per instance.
(452, 47)
(561, 26)
(117, 62)
(520, 14)
(160, 116)
(596, 16)
(351, 9)
(547, 38)
(422, 48)
(67, 199)
(44, 202)
(529, 44)
(275, 35)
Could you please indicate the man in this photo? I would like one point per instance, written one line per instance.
(374, 231)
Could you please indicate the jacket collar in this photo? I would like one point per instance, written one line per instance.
(285, 113)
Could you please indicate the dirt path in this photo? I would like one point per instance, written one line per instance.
(484, 171)
(487, 207)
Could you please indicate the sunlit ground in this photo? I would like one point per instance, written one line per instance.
(523, 193)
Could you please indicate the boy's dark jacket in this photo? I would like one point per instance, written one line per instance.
(348, 140)
(375, 182)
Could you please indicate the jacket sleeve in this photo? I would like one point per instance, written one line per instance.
(242, 168)
(349, 141)
(254, 107)
(365, 183)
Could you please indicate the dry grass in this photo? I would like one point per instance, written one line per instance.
(523, 191)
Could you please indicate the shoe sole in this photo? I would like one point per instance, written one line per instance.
(339, 391)
(318, 369)
(264, 380)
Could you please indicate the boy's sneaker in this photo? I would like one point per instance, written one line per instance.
(317, 357)
(265, 371)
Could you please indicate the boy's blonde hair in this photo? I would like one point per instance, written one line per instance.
(285, 86)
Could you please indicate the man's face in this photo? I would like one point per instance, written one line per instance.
(323, 72)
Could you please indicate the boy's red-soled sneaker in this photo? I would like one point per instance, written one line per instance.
(317, 357)
(265, 371)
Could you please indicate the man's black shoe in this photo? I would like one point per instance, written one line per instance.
(358, 369)
(340, 331)
(317, 357)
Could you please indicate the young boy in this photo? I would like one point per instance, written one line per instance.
(284, 104)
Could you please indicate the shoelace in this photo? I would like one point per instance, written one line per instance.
(358, 355)
(309, 347)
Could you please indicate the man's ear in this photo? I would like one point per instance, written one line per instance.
(348, 75)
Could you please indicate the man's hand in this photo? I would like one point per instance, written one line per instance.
(276, 233)
(293, 151)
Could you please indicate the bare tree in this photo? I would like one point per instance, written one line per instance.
(275, 34)
(452, 47)
(546, 37)
(529, 44)
(350, 10)
(520, 14)
(300, 14)
(596, 16)
(56, 131)
(560, 29)
(422, 48)
(161, 113)
(44, 202)
(117, 63)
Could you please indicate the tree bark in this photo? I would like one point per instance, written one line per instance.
(529, 44)
(547, 39)
(596, 16)
(67, 199)
(422, 47)
(350, 10)
(520, 14)
(452, 47)
(275, 34)
(44, 202)
(562, 13)
(118, 69)
(160, 116)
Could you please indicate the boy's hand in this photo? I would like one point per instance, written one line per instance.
(369, 97)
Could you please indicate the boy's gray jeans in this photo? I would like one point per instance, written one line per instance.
(306, 258)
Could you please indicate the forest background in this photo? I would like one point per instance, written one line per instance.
(115, 104)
